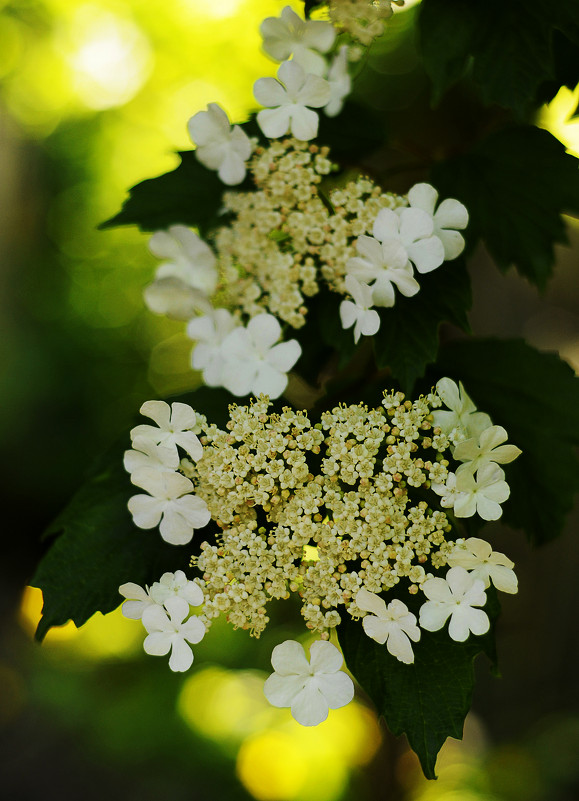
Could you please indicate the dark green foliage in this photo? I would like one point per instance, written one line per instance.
(428, 700)
(408, 337)
(508, 48)
(516, 185)
(535, 396)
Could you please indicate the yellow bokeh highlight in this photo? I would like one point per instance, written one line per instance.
(277, 759)
(102, 637)
(557, 117)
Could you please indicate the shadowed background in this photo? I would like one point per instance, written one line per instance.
(94, 97)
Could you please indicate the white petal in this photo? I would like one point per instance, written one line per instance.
(264, 330)
(325, 657)
(193, 630)
(383, 292)
(285, 355)
(268, 381)
(274, 122)
(159, 411)
(134, 592)
(503, 578)
(399, 646)
(304, 123)
(370, 602)
(177, 608)
(192, 593)
(451, 214)
(459, 581)
(337, 688)
(348, 316)
(194, 510)
(270, 93)
(320, 35)
(415, 224)
(436, 589)
(158, 643)
(449, 394)
(315, 92)
(452, 242)
(369, 322)
(386, 225)
(146, 511)
(280, 690)
(190, 444)
(433, 615)
(181, 657)
(310, 706)
(426, 254)
(232, 169)
(293, 78)
(174, 528)
(423, 196)
(376, 628)
(487, 508)
(289, 658)
(405, 282)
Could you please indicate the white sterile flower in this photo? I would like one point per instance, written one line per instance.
(359, 314)
(219, 146)
(290, 104)
(169, 631)
(254, 364)
(169, 503)
(146, 454)
(340, 83)
(478, 557)
(209, 332)
(174, 427)
(176, 585)
(486, 448)
(138, 599)
(413, 229)
(289, 34)
(189, 258)
(392, 624)
(450, 215)
(383, 266)
(447, 491)
(312, 688)
(463, 414)
(455, 597)
(176, 299)
(482, 494)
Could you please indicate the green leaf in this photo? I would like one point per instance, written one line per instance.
(408, 337)
(516, 185)
(508, 46)
(189, 195)
(98, 547)
(429, 699)
(535, 396)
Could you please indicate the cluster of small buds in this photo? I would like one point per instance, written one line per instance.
(362, 19)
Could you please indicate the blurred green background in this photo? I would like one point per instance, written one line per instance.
(95, 96)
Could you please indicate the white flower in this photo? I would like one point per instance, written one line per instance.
(340, 83)
(254, 364)
(220, 147)
(413, 229)
(365, 320)
(447, 491)
(455, 596)
(210, 331)
(289, 34)
(392, 624)
(147, 455)
(176, 299)
(138, 599)
(382, 265)
(478, 557)
(290, 103)
(176, 585)
(485, 449)
(169, 503)
(168, 632)
(189, 258)
(463, 414)
(450, 215)
(482, 494)
(174, 427)
(311, 689)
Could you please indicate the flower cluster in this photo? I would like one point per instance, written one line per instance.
(340, 513)
(362, 19)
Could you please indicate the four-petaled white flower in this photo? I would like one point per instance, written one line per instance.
(189, 258)
(312, 688)
(450, 215)
(392, 624)
(291, 103)
(340, 83)
(171, 503)
(176, 585)
(169, 631)
(482, 494)
(254, 364)
(147, 455)
(487, 448)
(463, 415)
(209, 332)
(219, 146)
(455, 597)
(366, 321)
(289, 34)
(174, 427)
(138, 599)
(478, 557)
(383, 266)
